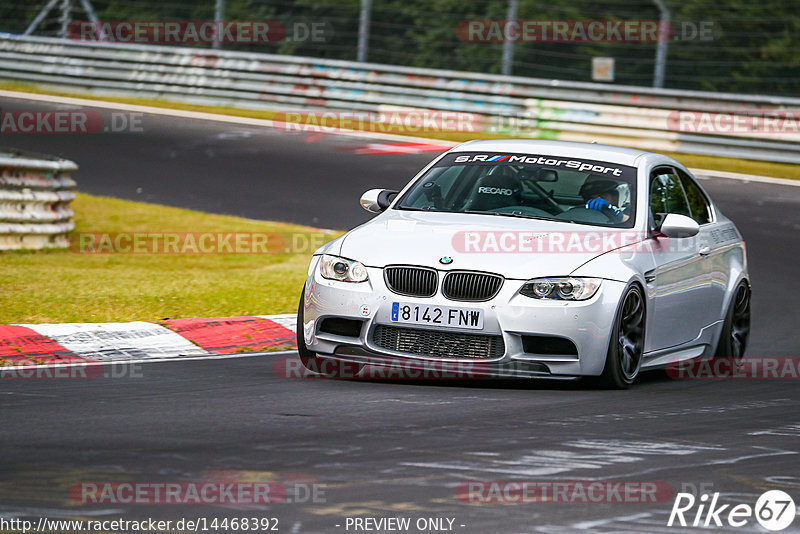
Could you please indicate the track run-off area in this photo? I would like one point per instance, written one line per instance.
(339, 449)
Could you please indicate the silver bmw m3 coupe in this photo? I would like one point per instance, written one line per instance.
(532, 258)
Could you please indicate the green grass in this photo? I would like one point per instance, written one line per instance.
(74, 286)
(762, 168)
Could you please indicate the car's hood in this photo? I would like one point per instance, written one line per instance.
(516, 248)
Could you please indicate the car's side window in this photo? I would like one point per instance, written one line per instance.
(698, 203)
(667, 195)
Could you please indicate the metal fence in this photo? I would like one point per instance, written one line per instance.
(731, 46)
(35, 193)
(746, 126)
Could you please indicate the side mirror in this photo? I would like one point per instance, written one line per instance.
(377, 200)
(677, 226)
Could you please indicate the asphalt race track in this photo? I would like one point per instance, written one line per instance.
(225, 168)
(387, 449)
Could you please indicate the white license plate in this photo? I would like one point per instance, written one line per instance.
(471, 318)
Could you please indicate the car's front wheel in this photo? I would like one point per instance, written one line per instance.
(307, 357)
(736, 330)
(310, 360)
(625, 350)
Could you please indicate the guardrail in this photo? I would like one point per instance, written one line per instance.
(35, 193)
(746, 126)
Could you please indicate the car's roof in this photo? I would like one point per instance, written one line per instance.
(546, 147)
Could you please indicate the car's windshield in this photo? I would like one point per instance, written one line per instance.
(526, 185)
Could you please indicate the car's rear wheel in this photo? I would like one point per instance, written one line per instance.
(736, 330)
(625, 350)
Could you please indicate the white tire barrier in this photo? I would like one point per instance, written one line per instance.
(35, 196)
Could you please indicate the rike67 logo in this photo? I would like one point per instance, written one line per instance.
(774, 510)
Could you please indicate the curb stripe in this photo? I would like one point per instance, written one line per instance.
(22, 346)
(288, 320)
(227, 335)
(118, 341)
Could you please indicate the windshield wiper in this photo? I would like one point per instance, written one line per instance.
(409, 208)
(517, 214)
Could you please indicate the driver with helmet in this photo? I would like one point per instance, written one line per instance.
(602, 195)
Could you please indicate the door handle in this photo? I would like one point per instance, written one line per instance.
(705, 251)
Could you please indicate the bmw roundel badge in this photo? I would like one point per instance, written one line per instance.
(445, 260)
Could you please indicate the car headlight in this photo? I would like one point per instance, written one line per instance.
(344, 270)
(562, 288)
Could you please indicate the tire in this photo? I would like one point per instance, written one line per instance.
(624, 358)
(307, 358)
(736, 329)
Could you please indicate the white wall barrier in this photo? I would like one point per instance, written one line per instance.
(746, 126)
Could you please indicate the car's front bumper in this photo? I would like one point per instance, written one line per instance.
(586, 324)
